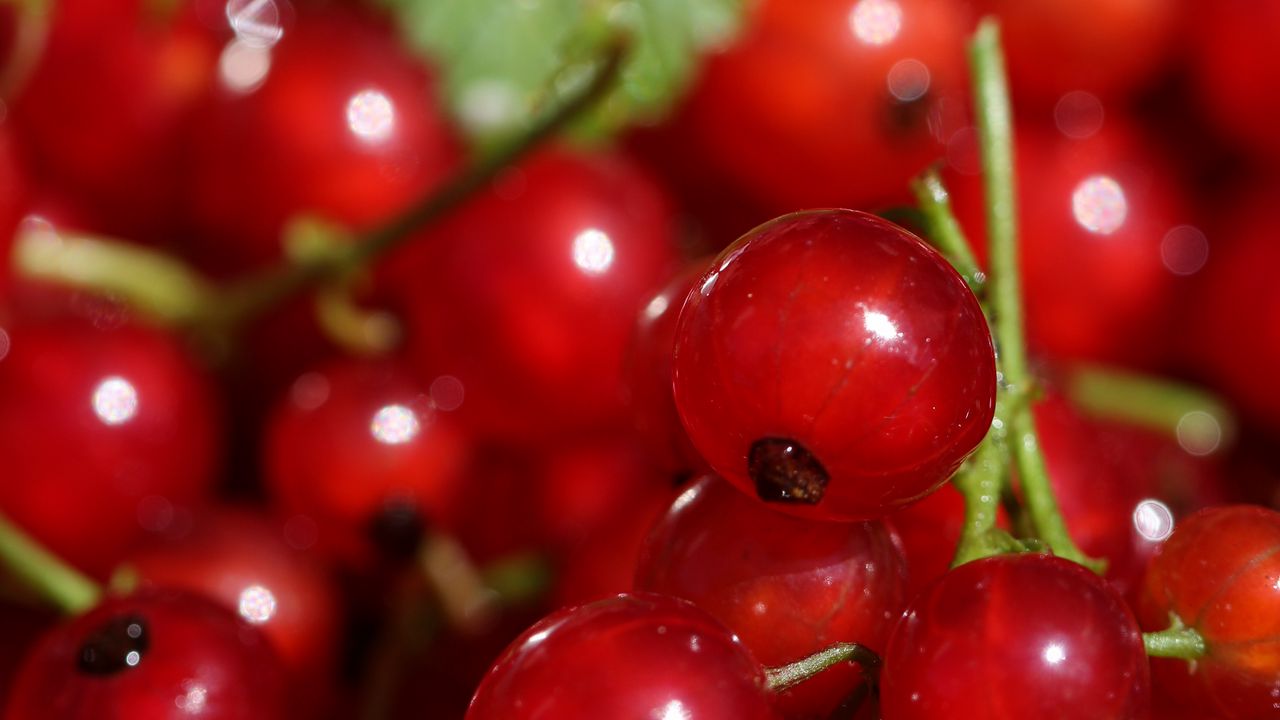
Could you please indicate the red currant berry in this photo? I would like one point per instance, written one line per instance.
(832, 362)
(1219, 573)
(365, 453)
(527, 296)
(106, 435)
(1104, 205)
(242, 560)
(153, 655)
(787, 587)
(816, 93)
(1016, 636)
(103, 113)
(653, 405)
(342, 122)
(632, 656)
(1103, 47)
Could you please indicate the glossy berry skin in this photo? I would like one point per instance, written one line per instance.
(648, 389)
(195, 659)
(1016, 636)
(242, 560)
(1234, 67)
(135, 73)
(107, 435)
(345, 125)
(527, 295)
(831, 362)
(362, 450)
(787, 587)
(1218, 574)
(1107, 48)
(631, 656)
(1107, 207)
(13, 189)
(814, 95)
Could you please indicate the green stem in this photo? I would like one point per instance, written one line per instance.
(153, 283)
(40, 571)
(944, 230)
(31, 32)
(995, 134)
(980, 482)
(1177, 641)
(1199, 421)
(258, 293)
(788, 676)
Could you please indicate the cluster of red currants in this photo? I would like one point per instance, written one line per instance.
(307, 408)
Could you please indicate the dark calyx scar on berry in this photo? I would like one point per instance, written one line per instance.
(783, 471)
(118, 645)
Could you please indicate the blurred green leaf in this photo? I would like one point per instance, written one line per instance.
(504, 60)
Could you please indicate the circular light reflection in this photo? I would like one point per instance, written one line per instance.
(1098, 205)
(309, 391)
(655, 308)
(1199, 433)
(447, 393)
(193, 698)
(243, 67)
(394, 425)
(1078, 114)
(255, 22)
(370, 115)
(593, 251)
(257, 604)
(1184, 250)
(908, 80)
(876, 22)
(115, 401)
(1153, 520)
(1054, 653)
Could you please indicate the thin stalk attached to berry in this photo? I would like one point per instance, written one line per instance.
(42, 572)
(257, 293)
(1177, 641)
(981, 482)
(788, 676)
(995, 133)
(944, 231)
(1200, 422)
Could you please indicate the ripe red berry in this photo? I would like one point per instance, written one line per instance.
(107, 434)
(104, 111)
(1219, 573)
(1103, 47)
(153, 655)
(649, 392)
(787, 587)
(832, 362)
(1103, 239)
(342, 122)
(833, 103)
(365, 453)
(527, 296)
(242, 560)
(632, 656)
(1016, 636)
